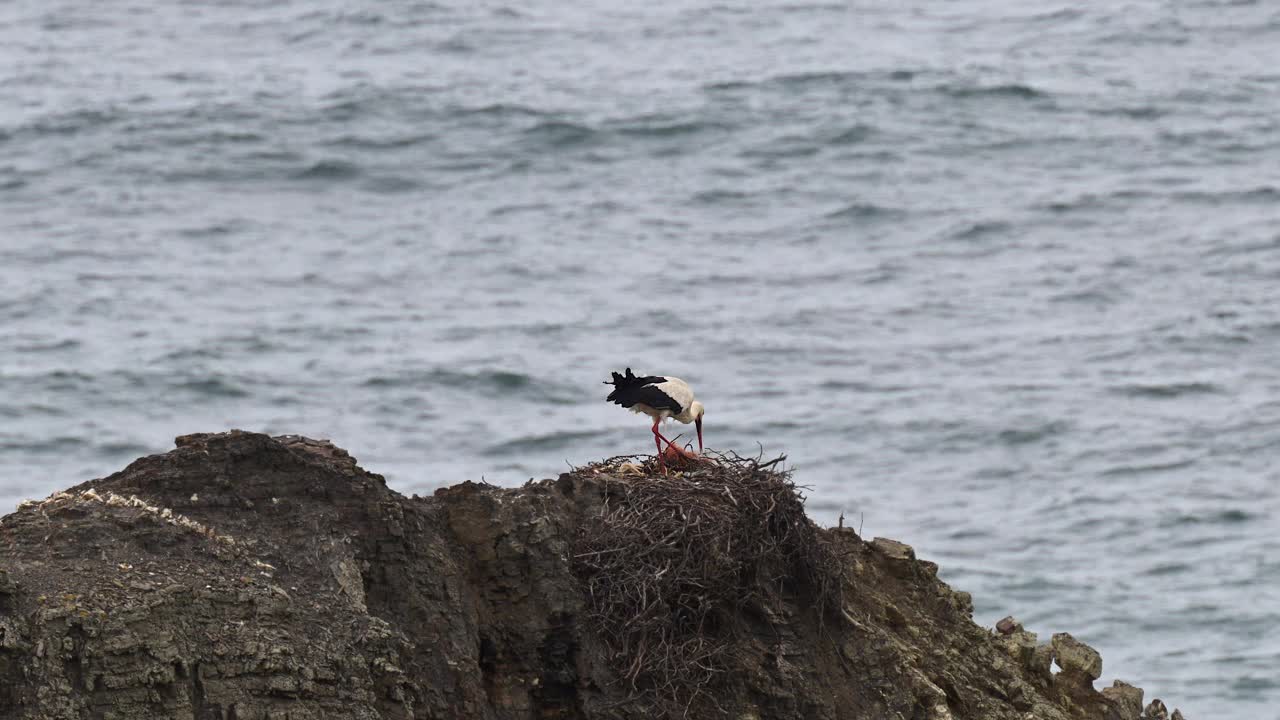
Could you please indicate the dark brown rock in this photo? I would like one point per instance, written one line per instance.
(1008, 626)
(243, 576)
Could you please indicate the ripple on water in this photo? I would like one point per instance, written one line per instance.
(1255, 685)
(1216, 517)
(488, 383)
(1133, 470)
(864, 211)
(59, 444)
(47, 346)
(559, 135)
(213, 386)
(1034, 431)
(661, 127)
(329, 170)
(543, 443)
(1014, 91)
(1167, 391)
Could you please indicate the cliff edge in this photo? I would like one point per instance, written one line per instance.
(244, 577)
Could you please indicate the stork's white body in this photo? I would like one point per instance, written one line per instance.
(677, 390)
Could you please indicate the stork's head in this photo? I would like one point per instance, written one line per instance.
(696, 410)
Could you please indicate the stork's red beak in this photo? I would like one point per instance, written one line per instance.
(698, 424)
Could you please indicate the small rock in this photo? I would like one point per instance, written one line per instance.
(1177, 715)
(349, 581)
(894, 616)
(1074, 656)
(1126, 698)
(1008, 626)
(1156, 711)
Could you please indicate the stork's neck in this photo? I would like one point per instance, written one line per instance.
(691, 413)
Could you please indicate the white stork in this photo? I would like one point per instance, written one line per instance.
(659, 398)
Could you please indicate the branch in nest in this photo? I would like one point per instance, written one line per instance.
(671, 561)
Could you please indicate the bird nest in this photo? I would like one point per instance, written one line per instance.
(672, 560)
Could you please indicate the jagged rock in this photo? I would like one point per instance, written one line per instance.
(1177, 715)
(1126, 700)
(243, 576)
(1020, 645)
(1074, 657)
(894, 549)
(1042, 661)
(1155, 711)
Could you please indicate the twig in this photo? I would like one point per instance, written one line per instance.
(669, 562)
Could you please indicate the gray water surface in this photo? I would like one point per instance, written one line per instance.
(1001, 278)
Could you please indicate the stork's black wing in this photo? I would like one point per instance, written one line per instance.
(629, 390)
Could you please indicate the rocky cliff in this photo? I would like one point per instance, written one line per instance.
(242, 576)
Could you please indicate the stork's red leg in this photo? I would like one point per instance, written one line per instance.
(657, 440)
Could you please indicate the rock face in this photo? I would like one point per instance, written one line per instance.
(244, 577)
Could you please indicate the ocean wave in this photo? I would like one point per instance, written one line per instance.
(863, 211)
(212, 386)
(1147, 468)
(217, 229)
(391, 184)
(329, 170)
(394, 142)
(57, 444)
(487, 383)
(790, 146)
(124, 449)
(66, 123)
(664, 127)
(1171, 568)
(501, 111)
(1034, 432)
(1132, 112)
(979, 230)
(721, 197)
(561, 134)
(46, 346)
(542, 443)
(28, 410)
(1217, 517)
(862, 386)
(852, 135)
(1016, 91)
(1266, 194)
(1166, 391)
(813, 80)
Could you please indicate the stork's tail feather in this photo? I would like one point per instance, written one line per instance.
(622, 383)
